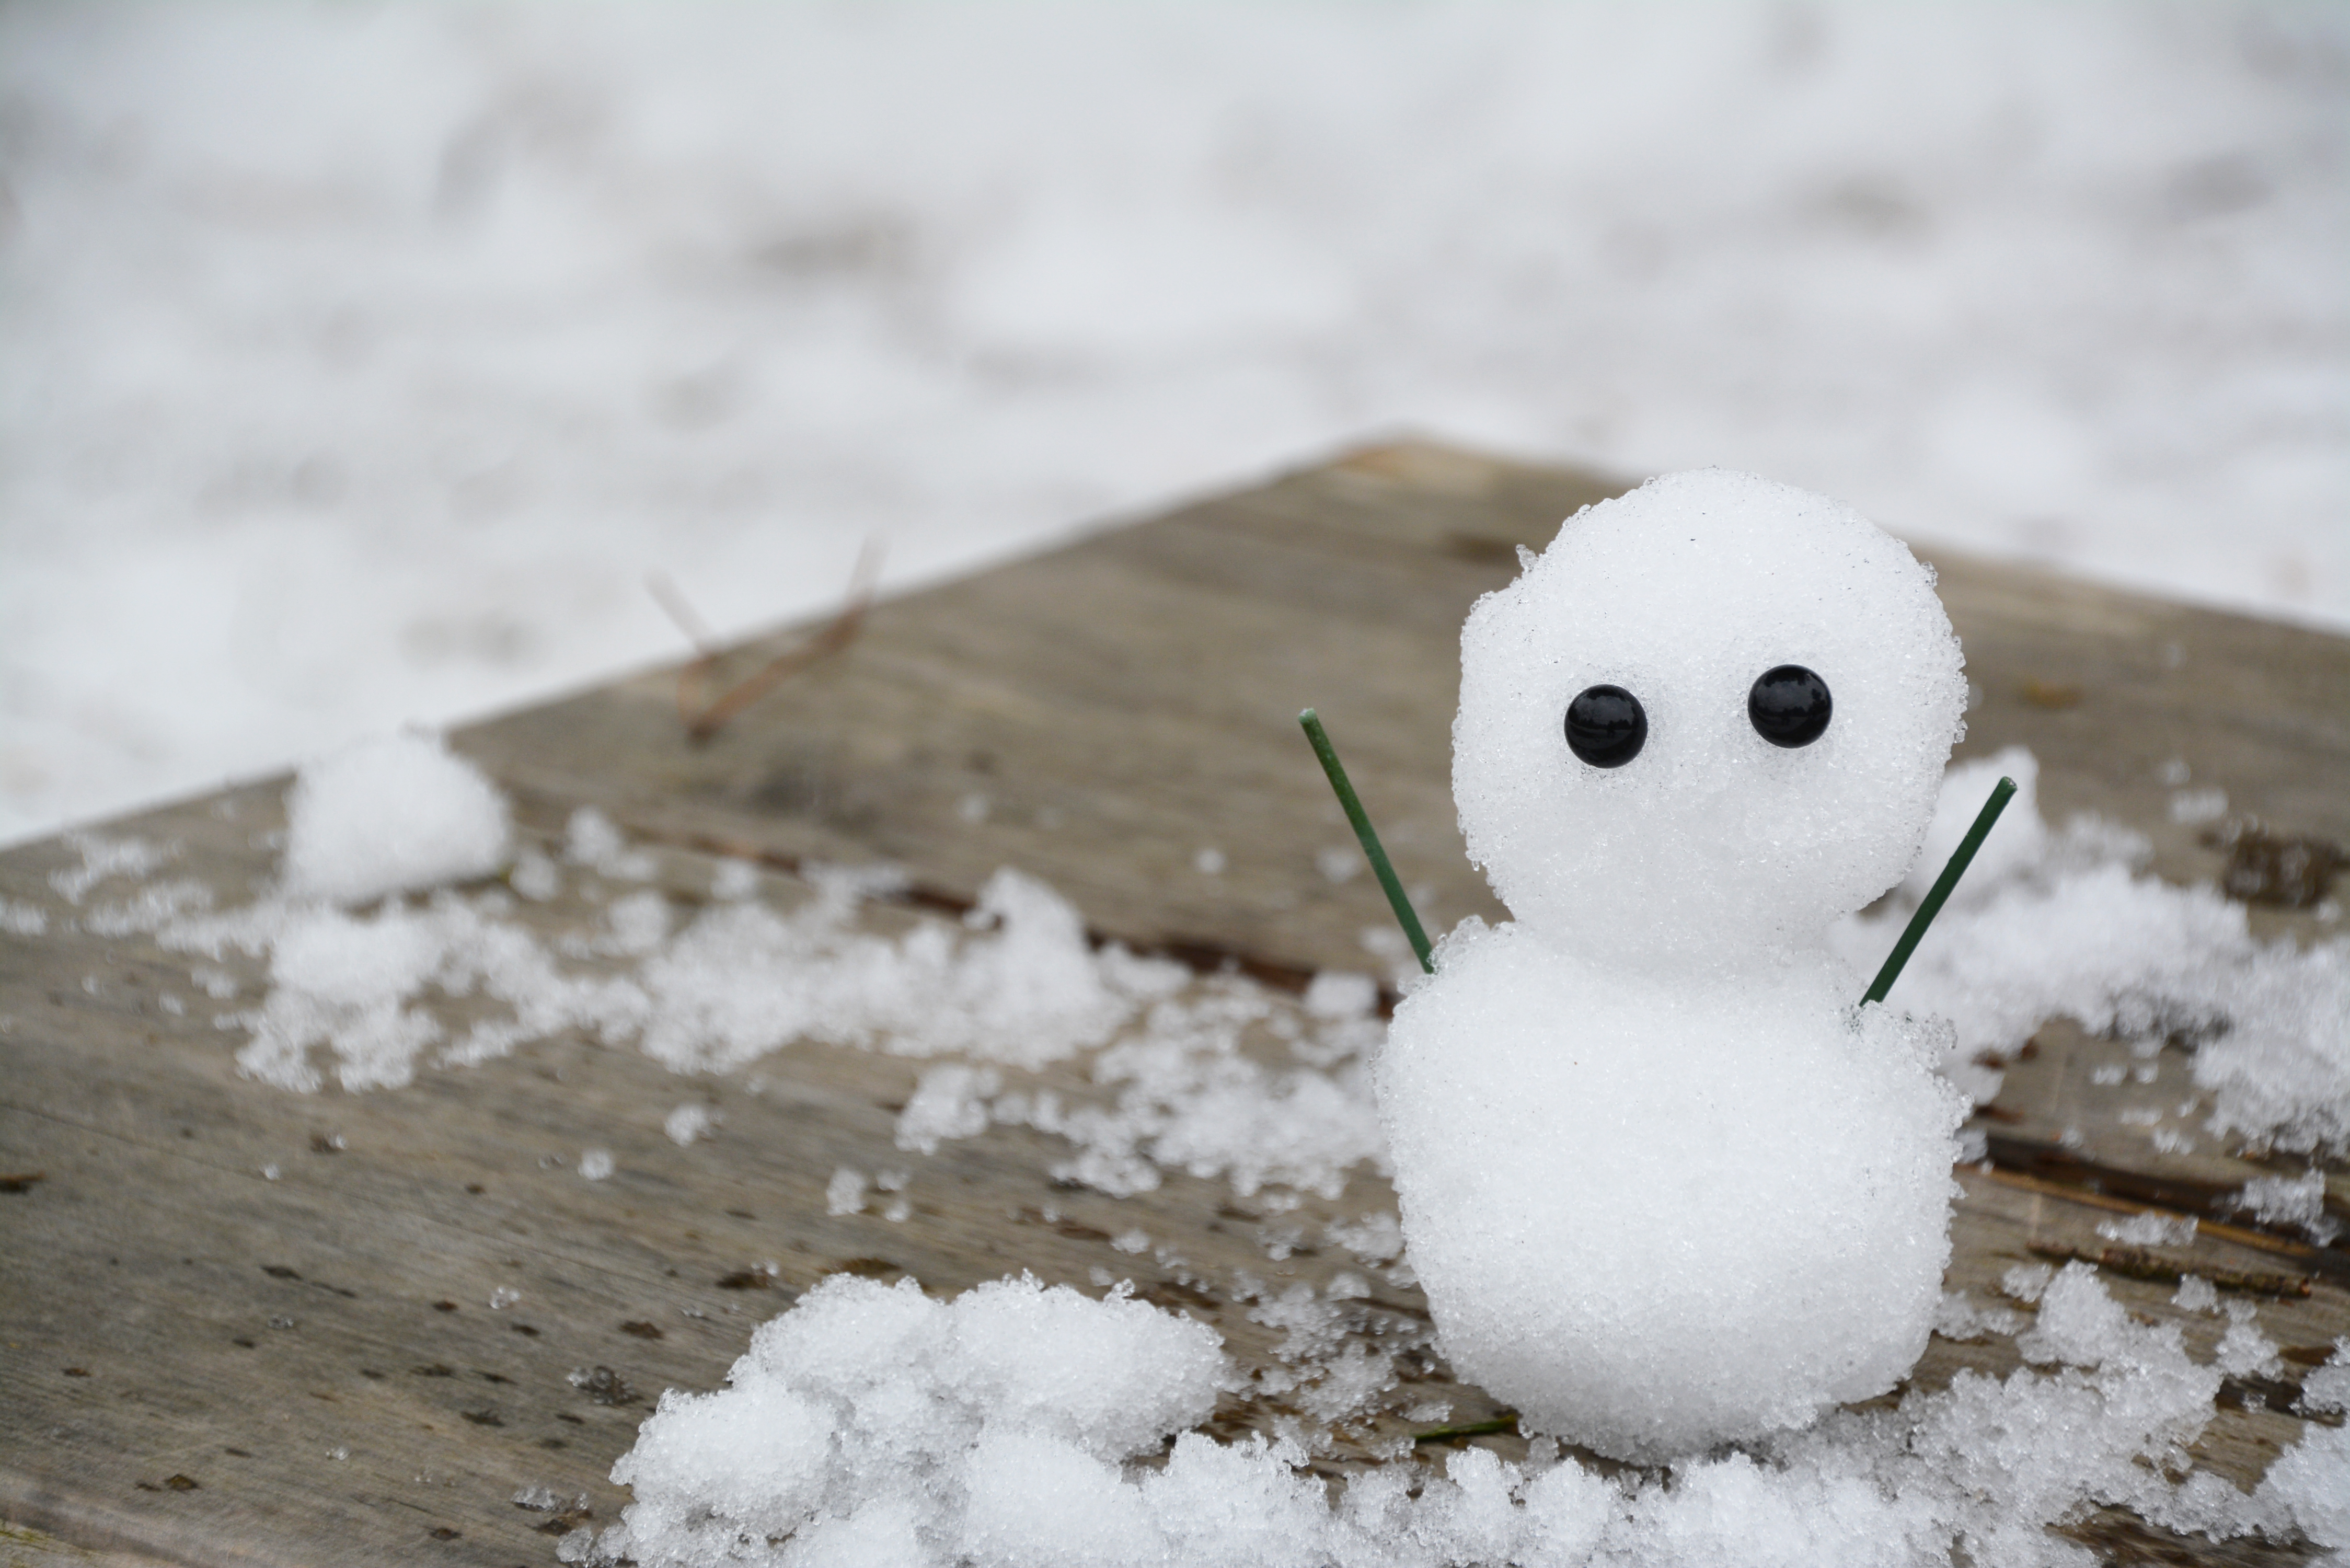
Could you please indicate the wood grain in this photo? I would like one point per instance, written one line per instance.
(315, 1353)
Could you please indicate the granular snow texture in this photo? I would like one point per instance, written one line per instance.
(872, 1425)
(387, 814)
(1221, 1077)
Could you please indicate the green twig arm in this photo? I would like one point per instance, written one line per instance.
(1311, 724)
(1941, 892)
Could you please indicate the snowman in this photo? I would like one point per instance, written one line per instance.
(1665, 1183)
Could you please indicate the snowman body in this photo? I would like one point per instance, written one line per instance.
(1665, 1184)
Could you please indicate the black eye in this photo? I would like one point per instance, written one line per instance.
(1790, 706)
(1607, 726)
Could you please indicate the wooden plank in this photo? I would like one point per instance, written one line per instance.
(1095, 716)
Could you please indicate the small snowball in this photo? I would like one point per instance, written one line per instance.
(868, 1419)
(596, 1164)
(1209, 862)
(390, 814)
(2196, 1293)
(688, 1122)
(845, 1193)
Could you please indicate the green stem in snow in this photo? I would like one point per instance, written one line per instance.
(1361, 820)
(1941, 892)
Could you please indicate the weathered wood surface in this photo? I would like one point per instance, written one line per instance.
(205, 1365)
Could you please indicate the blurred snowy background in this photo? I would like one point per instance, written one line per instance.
(358, 361)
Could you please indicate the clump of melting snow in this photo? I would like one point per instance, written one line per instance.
(868, 1422)
(1021, 986)
(388, 814)
(873, 1425)
(1188, 1099)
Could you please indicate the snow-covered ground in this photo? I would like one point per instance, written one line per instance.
(877, 1425)
(358, 362)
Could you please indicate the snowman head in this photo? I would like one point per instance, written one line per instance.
(1709, 718)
